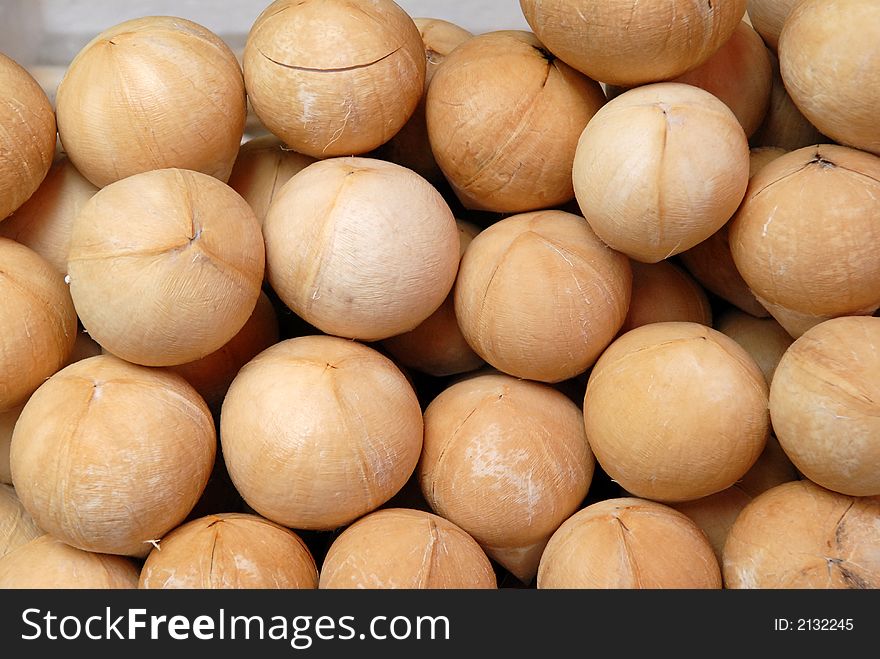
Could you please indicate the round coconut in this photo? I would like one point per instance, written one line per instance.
(763, 338)
(768, 17)
(233, 551)
(45, 221)
(108, 456)
(659, 169)
(539, 296)
(628, 543)
(663, 292)
(361, 248)
(17, 527)
(676, 411)
(437, 346)
(49, 564)
(504, 116)
(666, 39)
(334, 77)
(37, 322)
(507, 461)
(401, 548)
(165, 267)
(829, 55)
(27, 135)
(152, 93)
(825, 404)
(799, 535)
(798, 240)
(317, 431)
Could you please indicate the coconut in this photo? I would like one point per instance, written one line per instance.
(335, 77)
(17, 527)
(400, 548)
(798, 240)
(539, 296)
(152, 93)
(666, 39)
(165, 267)
(508, 462)
(825, 405)
(27, 136)
(628, 543)
(659, 169)
(676, 411)
(763, 338)
(799, 535)
(663, 292)
(768, 17)
(230, 550)
(108, 456)
(47, 563)
(361, 248)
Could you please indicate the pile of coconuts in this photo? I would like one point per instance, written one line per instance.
(588, 306)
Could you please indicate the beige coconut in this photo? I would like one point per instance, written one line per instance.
(165, 267)
(334, 77)
(628, 543)
(659, 169)
(152, 93)
(763, 338)
(799, 535)
(507, 461)
(230, 551)
(825, 404)
(784, 126)
(768, 17)
(539, 296)
(799, 238)
(361, 248)
(108, 456)
(828, 53)
(504, 116)
(436, 346)
(622, 42)
(401, 548)
(663, 292)
(37, 322)
(17, 527)
(676, 411)
(45, 221)
(49, 564)
(317, 431)
(27, 135)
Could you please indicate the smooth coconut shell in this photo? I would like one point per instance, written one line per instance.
(828, 56)
(763, 338)
(27, 135)
(263, 166)
(622, 42)
(410, 147)
(539, 296)
(825, 405)
(676, 411)
(317, 431)
(663, 292)
(628, 543)
(361, 248)
(17, 527)
(48, 563)
(334, 77)
(45, 221)
(768, 17)
(231, 550)
(165, 267)
(798, 240)
(212, 375)
(507, 461)
(504, 116)
(37, 322)
(799, 535)
(659, 169)
(152, 93)
(400, 548)
(437, 346)
(108, 456)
